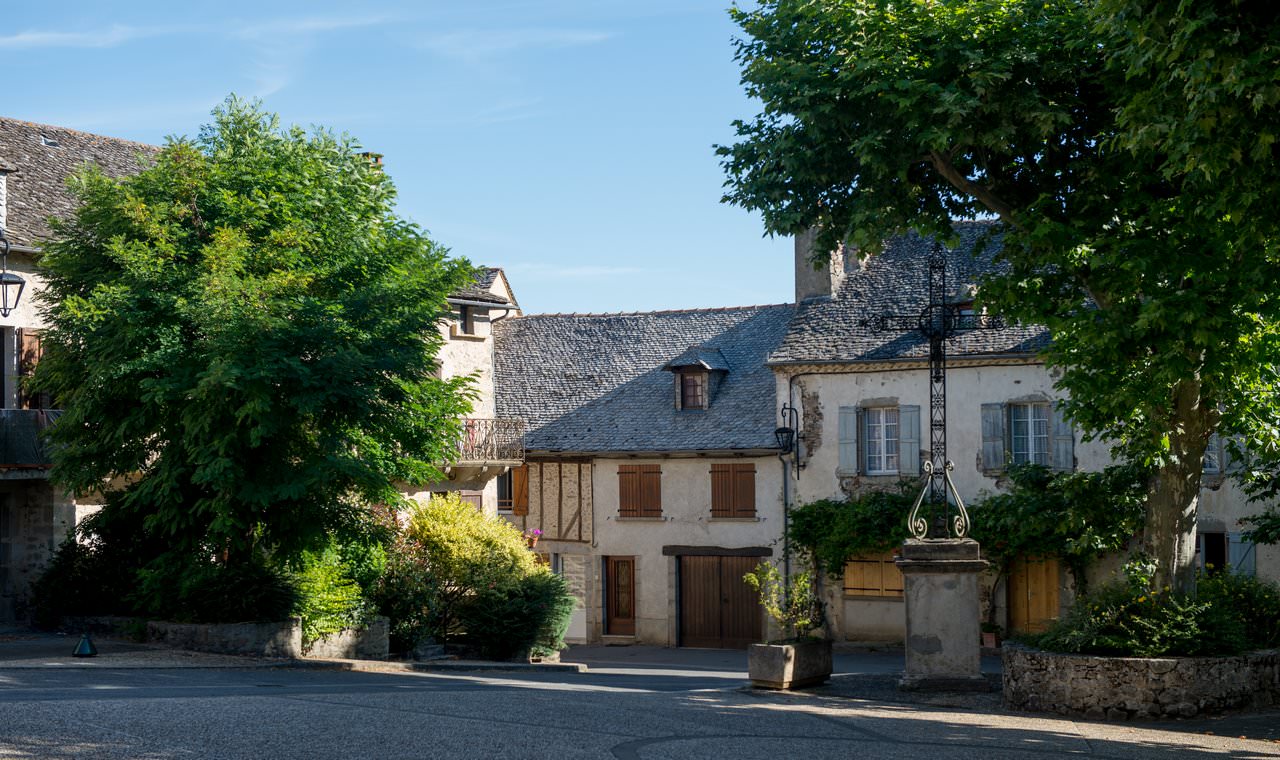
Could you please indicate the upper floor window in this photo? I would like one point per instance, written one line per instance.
(639, 490)
(1029, 433)
(733, 490)
(1026, 432)
(467, 320)
(879, 440)
(513, 491)
(693, 390)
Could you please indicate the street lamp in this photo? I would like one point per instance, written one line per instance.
(11, 285)
(788, 435)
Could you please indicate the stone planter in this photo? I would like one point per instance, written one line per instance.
(792, 665)
(1127, 688)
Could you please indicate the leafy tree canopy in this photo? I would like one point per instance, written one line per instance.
(242, 338)
(1128, 146)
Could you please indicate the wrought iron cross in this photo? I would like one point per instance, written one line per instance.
(938, 322)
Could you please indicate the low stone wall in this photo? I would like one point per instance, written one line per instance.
(368, 643)
(1127, 688)
(260, 639)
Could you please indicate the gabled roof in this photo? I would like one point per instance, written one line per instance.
(596, 382)
(39, 158)
(482, 289)
(703, 357)
(843, 329)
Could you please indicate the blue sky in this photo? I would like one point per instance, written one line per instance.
(568, 141)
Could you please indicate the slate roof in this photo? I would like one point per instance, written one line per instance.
(38, 172)
(596, 383)
(700, 356)
(479, 291)
(842, 329)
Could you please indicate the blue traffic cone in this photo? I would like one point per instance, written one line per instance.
(85, 648)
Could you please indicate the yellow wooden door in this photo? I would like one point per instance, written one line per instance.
(1033, 593)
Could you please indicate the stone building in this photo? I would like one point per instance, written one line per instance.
(861, 391)
(652, 469)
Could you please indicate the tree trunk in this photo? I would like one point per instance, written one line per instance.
(1170, 535)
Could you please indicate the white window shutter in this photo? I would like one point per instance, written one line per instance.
(1062, 441)
(909, 440)
(848, 439)
(1241, 555)
(993, 436)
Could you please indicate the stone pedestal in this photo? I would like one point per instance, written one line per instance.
(940, 578)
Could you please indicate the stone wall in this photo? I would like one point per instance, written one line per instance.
(368, 643)
(259, 639)
(1127, 688)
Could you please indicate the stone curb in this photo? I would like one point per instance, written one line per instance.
(429, 666)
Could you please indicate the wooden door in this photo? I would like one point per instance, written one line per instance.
(717, 608)
(620, 597)
(1033, 593)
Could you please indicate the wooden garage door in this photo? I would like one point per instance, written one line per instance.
(717, 608)
(1033, 593)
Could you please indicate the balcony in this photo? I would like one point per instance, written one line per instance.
(491, 442)
(23, 454)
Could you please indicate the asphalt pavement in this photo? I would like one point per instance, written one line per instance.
(633, 702)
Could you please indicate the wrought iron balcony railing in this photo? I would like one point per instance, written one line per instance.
(491, 441)
(21, 444)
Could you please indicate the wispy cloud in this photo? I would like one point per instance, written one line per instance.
(481, 43)
(111, 36)
(308, 26)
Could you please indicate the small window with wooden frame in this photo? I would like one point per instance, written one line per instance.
(733, 491)
(691, 390)
(513, 491)
(640, 490)
(873, 575)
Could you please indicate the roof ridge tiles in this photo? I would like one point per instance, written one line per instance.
(707, 310)
(82, 132)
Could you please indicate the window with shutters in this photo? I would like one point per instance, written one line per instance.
(513, 491)
(639, 490)
(1026, 432)
(733, 490)
(879, 440)
(1029, 433)
(873, 575)
(882, 441)
(1217, 552)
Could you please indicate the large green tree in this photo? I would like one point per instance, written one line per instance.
(242, 339)
(1127, 146)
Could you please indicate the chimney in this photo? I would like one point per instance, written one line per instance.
(822, 282)
(373, 158)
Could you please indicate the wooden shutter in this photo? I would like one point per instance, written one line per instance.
(744, 490)
(848, 439)
(29, 353)
(1062, 440)
(722, 482)
(650, 490)
(520, 490)
(1241, 555)
(639, 490)
(909, 440)
(993, 436)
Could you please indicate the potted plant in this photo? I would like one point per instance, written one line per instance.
(991, 634)
(531, 537)
(800, 659)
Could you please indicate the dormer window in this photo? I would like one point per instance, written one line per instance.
(693, 389)
(698, 372)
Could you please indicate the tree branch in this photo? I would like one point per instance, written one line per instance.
(942, 163)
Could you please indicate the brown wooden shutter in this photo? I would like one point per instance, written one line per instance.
(628, 491)
(744, 490)
(722, 480)
(29, 353)
(651, 490)
(520, 490)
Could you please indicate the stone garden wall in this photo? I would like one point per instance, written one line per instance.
(368, 643)
(1125, 688)
(260, 639)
